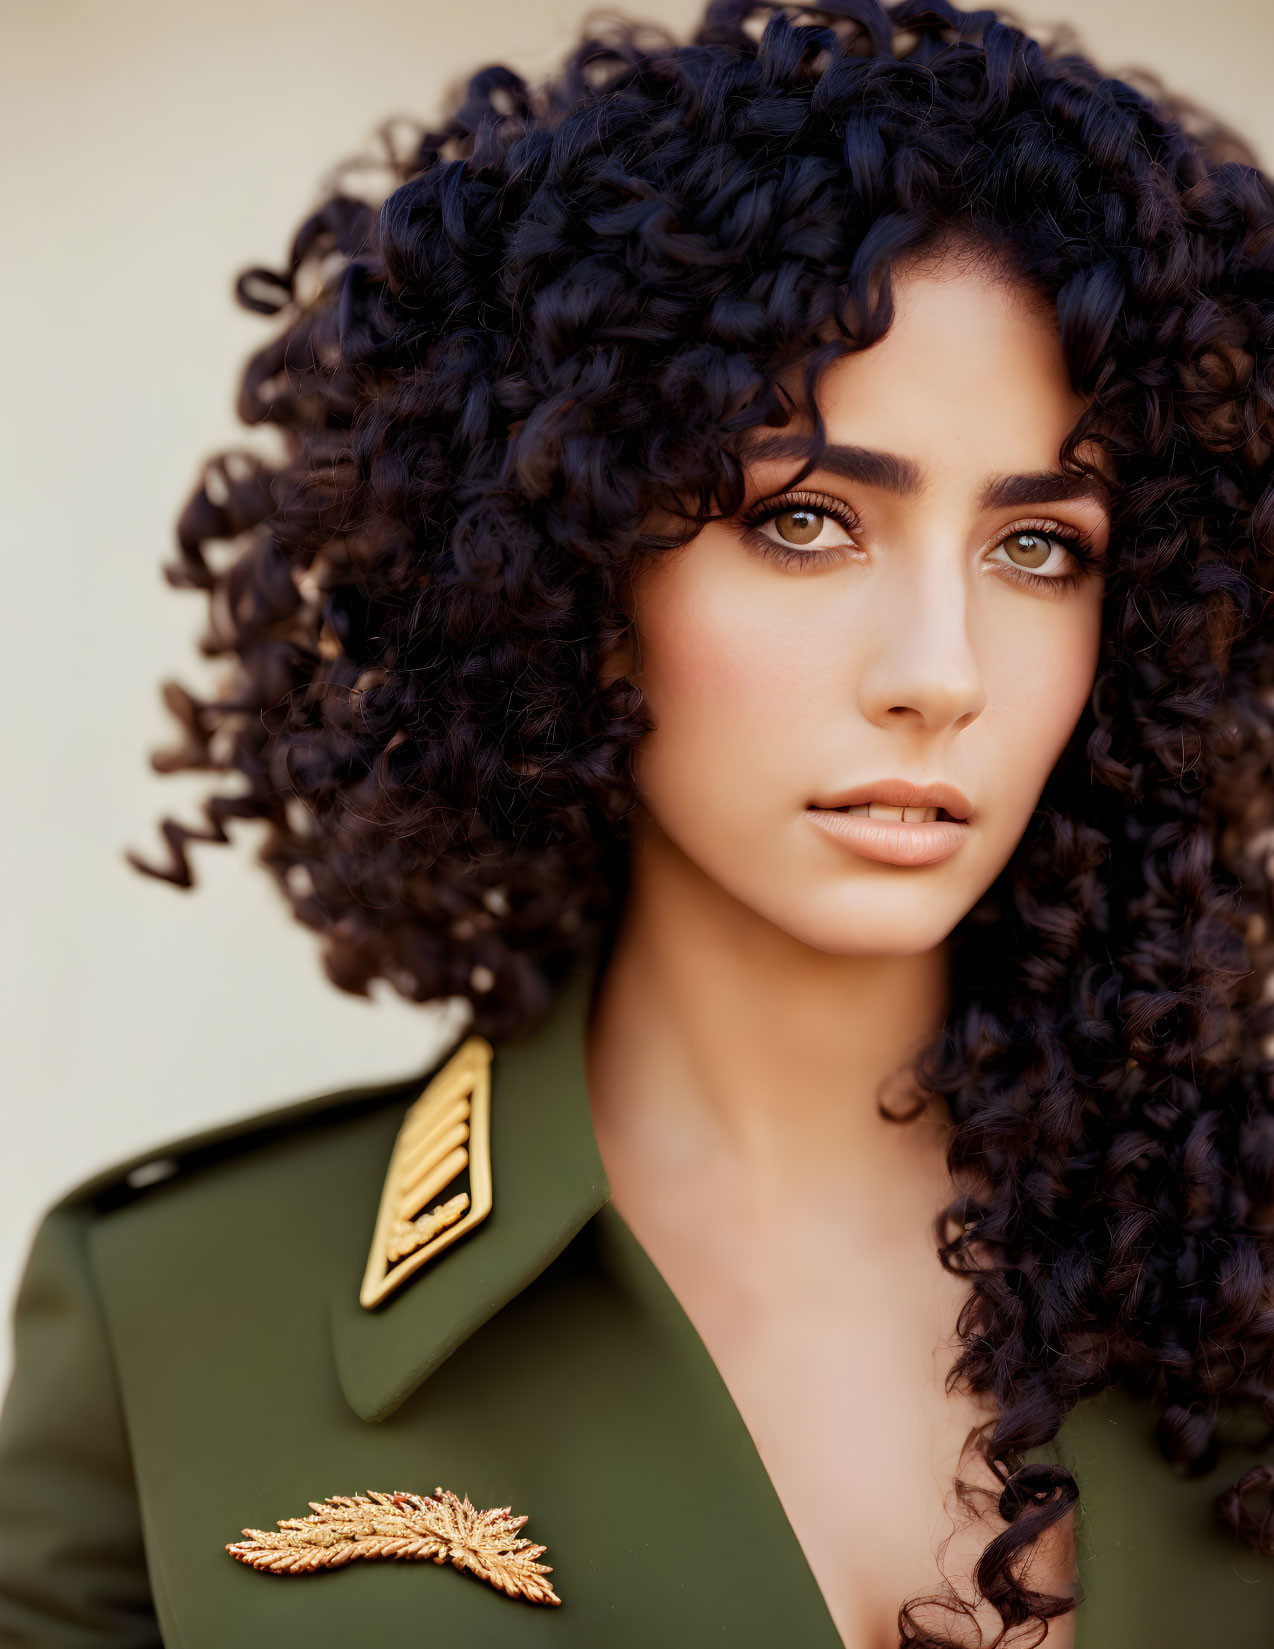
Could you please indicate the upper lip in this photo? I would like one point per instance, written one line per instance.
(902, 793)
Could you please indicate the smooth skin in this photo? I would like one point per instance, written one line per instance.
(768, 981)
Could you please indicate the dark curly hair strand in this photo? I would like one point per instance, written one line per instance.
(537, 362)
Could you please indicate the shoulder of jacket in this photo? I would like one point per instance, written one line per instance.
(131, 1177)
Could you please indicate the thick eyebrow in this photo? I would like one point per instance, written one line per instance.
(904, 478)
(1013, 492)
(862, 464)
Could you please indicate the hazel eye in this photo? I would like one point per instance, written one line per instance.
(1044, 557)
(1031, 550)
(800, 525)
(804, 530)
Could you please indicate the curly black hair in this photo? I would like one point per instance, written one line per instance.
(536, 362)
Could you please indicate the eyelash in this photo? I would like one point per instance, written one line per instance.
(1078, 545)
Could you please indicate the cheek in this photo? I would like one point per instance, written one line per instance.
(736, 677)
(1040, 683)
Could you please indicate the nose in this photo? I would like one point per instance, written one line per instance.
(923, 666)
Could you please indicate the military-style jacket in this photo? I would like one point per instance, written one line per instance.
(193, 1361)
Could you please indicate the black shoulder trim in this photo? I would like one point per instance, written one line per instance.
(123, 1181)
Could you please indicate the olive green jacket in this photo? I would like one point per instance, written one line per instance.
(192, 1360)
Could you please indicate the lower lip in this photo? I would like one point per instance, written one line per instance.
(891, 841)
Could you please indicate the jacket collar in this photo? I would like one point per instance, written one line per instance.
(547, 1183)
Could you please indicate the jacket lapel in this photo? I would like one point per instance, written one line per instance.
(547, 1182)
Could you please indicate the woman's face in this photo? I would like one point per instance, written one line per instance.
(911, 612)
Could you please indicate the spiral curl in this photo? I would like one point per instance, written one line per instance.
(534, 363)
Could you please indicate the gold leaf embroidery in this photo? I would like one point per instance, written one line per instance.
(438, 1527)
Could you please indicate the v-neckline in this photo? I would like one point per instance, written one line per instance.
(629, 1258)
(641, 1272)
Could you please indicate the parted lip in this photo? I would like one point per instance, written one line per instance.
(901, 793)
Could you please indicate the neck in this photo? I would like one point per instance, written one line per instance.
(717, 1034)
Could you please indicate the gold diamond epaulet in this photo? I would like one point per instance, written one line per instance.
(446, 1131)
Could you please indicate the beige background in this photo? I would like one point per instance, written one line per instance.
(152, 148)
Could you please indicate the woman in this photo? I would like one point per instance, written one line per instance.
(764, 598)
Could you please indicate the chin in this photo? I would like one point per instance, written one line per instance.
(907, 923)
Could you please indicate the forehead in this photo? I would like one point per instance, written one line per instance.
(970, 376)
